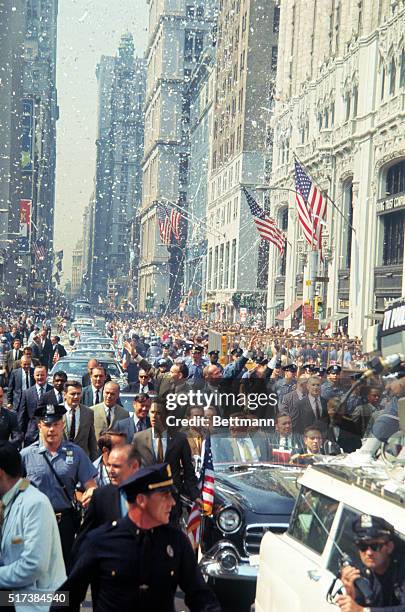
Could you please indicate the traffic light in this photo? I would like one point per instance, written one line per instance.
(318, 306)
(204, 307)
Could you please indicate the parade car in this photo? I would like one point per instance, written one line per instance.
(76, 367)
(250, 500)
(332, 496)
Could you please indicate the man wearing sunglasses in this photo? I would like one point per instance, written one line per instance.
(381, 563)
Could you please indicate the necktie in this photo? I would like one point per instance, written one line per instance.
(72, 431)
(59, 398)
(139, 426)
(108, 417)
(317, 409)
(159, 449)
(40, 392)
(97, 396)
(27, 381)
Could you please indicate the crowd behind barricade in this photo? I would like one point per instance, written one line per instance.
(275, 398)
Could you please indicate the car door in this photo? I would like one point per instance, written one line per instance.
(293, 573)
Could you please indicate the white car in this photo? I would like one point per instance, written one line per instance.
(298, 569)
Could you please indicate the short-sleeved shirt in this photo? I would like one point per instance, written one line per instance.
(70, 463)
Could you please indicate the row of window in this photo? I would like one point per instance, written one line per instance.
(221, 271)
(223, 215)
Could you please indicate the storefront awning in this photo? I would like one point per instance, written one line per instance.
(284, 314)
(339, 316)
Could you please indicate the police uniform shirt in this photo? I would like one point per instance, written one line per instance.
(282, 387)
(71, 464)
(133, 569)
(328, 390)
(195, 371)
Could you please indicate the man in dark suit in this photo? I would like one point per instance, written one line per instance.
(107, 503)
(158, 444)
(55, 395)
(93, 393)
(29, 404)
(144, 384)
(311, 408)
(46, 349)
(11, 357)
(86, 378)
(290, 403)
(79, 420)
(8, 423)
(338, 428)
(20, 379)
(283, 440)
(139, 420)
(58, 350)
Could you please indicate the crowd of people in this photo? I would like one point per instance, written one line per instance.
(90, 462)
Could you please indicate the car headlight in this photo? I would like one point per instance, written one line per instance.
(229, 520)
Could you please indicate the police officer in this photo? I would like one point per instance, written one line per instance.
(137, 562)
(31, 554)
(381, 563)
(288, 383)
(196, 365)
(214, 356)
(55, 467)
(330, 388)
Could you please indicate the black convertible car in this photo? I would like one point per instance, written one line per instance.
(250, 499)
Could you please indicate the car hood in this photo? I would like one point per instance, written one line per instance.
(262, 490)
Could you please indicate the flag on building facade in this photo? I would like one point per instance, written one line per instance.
(207, 484)
(39, 249)
(165, 229)
(311, 207)
(266, 226)
(175, 217)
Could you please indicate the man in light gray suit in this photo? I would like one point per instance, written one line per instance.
(79, 420)
(108, 412)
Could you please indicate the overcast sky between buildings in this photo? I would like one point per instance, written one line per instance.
(87, 29)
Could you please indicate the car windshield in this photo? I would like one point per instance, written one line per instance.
(239, 448)
(127, 402)
(79, 368)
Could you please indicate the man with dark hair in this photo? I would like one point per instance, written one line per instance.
(30, 545)
(55, 396)
(148, 557)
(137, 422)
(21, 379)
(13, 356)
(58, 350)
(29, 403)
(79, 420)
(93, 393)
(8, 423)
(56, 467)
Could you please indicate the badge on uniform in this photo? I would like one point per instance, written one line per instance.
(170, 551)
(366, 521)
(69, 457)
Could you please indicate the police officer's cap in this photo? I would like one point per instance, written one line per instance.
(278, 364)
(216, 353)
(50, 413)
(290, 367)
(237, 351)
(150, 479)
(4, 339)
(261, 360)
(310, 367)
(165, 345)
(334, 369)
(197, 348)
(321, 371)
(163, 363)
(367, 527)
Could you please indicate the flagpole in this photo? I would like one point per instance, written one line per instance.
(325, 194)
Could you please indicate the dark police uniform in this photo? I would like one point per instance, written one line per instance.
(132, 569)
(389, 588)
(328, 390)
(72, 466)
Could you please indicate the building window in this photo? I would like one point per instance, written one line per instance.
(393, 77)
(382, 83)
(209, 284)
(393, 247)
(221, 268)
(233, 263)
(395, 181)
(347, 105)
(355, 100)
(274, 55)
(284, 227)
(216, 268)
(347, 234)
(402, 69)
(276, 19)
(226, 266)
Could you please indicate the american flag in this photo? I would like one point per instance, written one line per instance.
(175, 217)
(165, 228)
(311, 206)
(266, 225)
(39, 249)
(207, 484)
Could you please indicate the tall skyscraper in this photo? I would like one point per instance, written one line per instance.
(179, 33)
(118, 173)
